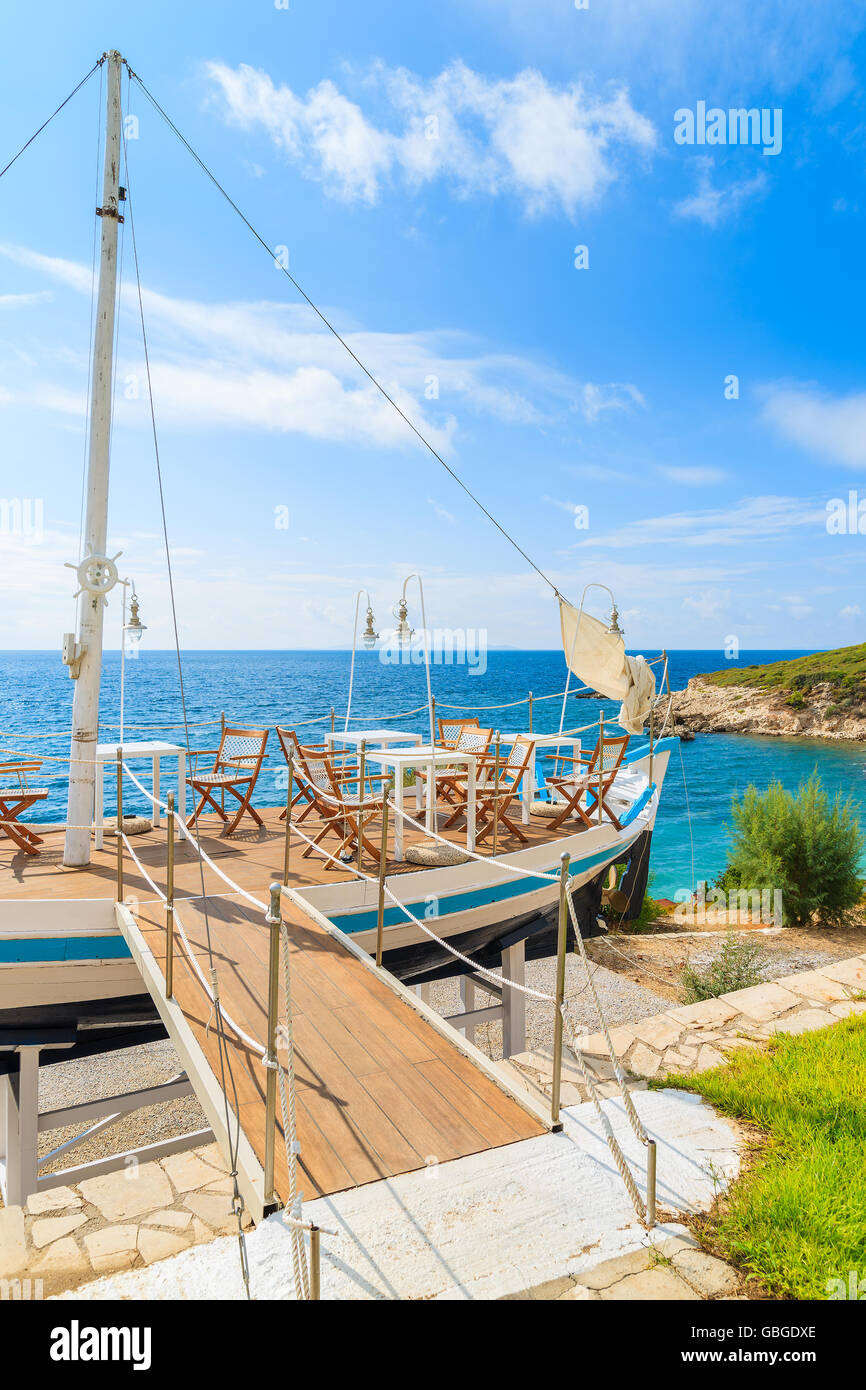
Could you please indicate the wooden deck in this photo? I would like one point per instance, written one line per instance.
(252, 857)
(381, 1090)
(383, 1085)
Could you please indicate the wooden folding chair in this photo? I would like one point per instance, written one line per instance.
(301, 796)
(341, 812)
(499, 785)
(451, 785)
(451, 729)
(238, 762)
(596, 781)
(15, 799)
(289, 742)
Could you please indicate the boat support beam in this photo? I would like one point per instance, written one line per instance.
(510, 1011)
(21, 1124)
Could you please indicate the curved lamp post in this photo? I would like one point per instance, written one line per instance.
(369, 637)
(131, 632)
(405, 633)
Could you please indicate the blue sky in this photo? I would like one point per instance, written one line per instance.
(431, 170)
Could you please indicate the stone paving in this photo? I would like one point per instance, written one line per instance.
(687, 1039)
(670, 1267)
(121, 1220)
(694, 1037)
(145, 1213)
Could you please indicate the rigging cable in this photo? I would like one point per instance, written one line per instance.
(226, 1074)
(56, 112)
(340, 339)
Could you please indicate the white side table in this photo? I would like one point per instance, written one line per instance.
(374, 738)
(107, 753)
(429, 759)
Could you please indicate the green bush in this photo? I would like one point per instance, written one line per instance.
(803, 845)
(797, 700)
(738, 965)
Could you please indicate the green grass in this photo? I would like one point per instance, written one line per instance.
(797, 1217)
(844, 668)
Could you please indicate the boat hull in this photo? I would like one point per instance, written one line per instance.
(483, 907)
(55, 953)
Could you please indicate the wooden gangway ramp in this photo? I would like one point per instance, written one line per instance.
(383, 1084)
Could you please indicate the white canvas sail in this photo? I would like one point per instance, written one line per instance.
(598, 658)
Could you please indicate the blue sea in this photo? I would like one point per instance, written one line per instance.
(286, 687)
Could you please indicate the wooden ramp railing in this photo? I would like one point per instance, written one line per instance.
(383, 1085)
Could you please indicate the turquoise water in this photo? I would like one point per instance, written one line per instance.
(286, 687)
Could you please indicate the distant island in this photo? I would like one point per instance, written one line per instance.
(822, 695)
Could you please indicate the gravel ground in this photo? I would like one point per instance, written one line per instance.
(92, 1078)
(656, 962)
(622, 1000)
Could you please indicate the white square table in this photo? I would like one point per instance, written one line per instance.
(379, 738)
(428, 758)
(527, 791)
(107, 753)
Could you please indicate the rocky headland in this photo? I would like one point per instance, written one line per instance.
(821, 696)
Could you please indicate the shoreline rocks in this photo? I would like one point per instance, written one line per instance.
(705, 708)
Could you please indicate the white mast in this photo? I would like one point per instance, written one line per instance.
(95, 568)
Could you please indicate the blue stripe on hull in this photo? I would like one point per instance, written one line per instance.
(473, 898)
(59, 948)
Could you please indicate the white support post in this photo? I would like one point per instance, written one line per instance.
(467, 1004)
(513, 1000)
(91, 606)
(22, 1128)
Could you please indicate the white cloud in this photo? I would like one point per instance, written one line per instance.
(715, 205)
(615, 395)
(599, 472)
(709, 603)
(832, 426)
(773, 45)
(851, 610)
(697, 476)
(754, 518)
(552, 146)
(70, 273)
(19, 301)
(441, 512)
(272, 366)
(310, 401)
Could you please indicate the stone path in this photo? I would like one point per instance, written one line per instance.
(672, 1267)
(686, 1039)
(122, 1220)
(694, 1037)
(147, 1213)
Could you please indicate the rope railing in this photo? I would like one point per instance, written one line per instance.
(315, 719)
(307, 1277)
(645, 1212)
(404, 714)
